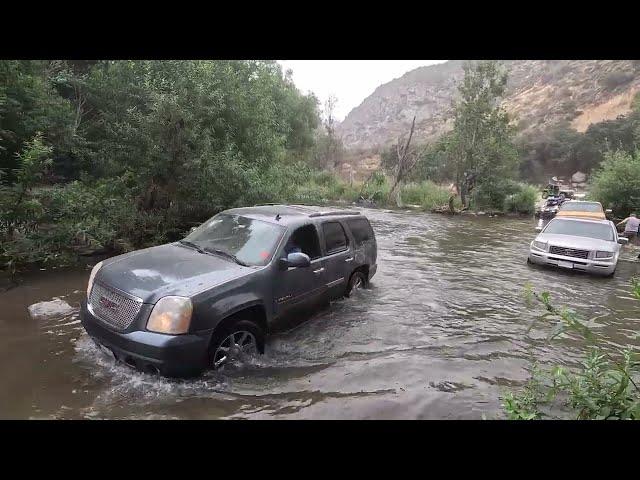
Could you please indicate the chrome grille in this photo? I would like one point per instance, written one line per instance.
(113, 308)
(569, 252)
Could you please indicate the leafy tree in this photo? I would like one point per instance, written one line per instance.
(481, 145)
(330, 150)
(17, 208)
(28, 104)
(180, 140)
(616, 184)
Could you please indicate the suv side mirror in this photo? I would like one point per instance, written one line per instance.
(623, 240)
(296, 260)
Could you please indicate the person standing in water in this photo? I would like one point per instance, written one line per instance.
(632, 228)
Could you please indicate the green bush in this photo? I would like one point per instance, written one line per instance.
(616, 184)
(523, 201)
(376, 188)
(322, 187)
(427, 194)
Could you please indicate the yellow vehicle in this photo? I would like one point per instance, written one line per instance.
(582, 209)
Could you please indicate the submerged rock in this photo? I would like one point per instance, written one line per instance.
(53, 308)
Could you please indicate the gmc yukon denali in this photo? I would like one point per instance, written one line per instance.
(210, 299)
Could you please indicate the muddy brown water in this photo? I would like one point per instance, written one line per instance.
(441, 334)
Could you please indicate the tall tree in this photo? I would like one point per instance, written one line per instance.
(406, 157)
(334, 147)
(481, 143)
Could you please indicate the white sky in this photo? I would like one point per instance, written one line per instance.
(350, 81)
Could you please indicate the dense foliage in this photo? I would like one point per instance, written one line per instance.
(137, 151)
(616, 183)
(115, 155)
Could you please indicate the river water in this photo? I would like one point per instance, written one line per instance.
(441, 334)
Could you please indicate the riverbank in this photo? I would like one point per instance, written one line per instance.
(75, 241)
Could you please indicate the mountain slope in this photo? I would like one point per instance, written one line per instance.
(540, 93)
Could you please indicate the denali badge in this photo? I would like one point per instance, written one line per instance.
(108, 304)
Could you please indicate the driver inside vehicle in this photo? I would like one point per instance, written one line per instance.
(292, 247)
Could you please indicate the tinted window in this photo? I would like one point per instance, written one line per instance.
(361, 230)
(600, 231)
(252, 241)
(305, 240)
(334, 237)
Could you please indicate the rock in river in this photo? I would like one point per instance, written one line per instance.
(53, 308)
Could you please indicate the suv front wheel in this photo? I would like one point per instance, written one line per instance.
(234, 342)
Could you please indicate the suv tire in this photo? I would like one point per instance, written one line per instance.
(357, 280)
(248, 338)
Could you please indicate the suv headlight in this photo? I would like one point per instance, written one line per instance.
(539, 245)
(92, 277)
(171, 315)
(601, 254)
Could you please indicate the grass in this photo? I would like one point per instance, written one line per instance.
(523, 200)
(324, 187)
(426, 194)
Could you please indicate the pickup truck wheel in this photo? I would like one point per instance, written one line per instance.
(235, 342)
(356, 281)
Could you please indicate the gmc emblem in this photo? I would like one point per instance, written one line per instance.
(108, 304)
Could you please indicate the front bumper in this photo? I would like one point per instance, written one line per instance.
(169, 355)
(600, 267)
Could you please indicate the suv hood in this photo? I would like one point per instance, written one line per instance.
(169, 269)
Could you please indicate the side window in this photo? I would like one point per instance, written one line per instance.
(305, 240)
(334, 237)
(361, 230)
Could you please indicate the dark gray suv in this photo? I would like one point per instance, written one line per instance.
(211, 298)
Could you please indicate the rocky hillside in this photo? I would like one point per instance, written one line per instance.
(540, 93)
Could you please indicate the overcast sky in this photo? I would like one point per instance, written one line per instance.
(351, 81)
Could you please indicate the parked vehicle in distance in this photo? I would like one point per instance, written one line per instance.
(582, 209)
(211, 298)
(555, 188)
(587, 245)
(550, 207)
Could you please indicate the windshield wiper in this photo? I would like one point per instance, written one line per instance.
(226, 254)
(192, 245)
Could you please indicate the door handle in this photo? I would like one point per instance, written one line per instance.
(320, 270)
(350, 259)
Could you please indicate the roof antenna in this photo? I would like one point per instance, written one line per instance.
(278, 217)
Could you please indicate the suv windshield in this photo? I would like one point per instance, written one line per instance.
(581, 207)
(600, 231)
(250, 241)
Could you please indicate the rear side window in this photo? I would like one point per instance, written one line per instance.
(361, 230)
(334, 237)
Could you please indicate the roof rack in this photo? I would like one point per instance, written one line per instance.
(334, 212)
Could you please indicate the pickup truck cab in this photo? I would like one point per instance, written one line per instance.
(211, 298)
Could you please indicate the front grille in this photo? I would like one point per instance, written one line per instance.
(569, 252)
(113, 308)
